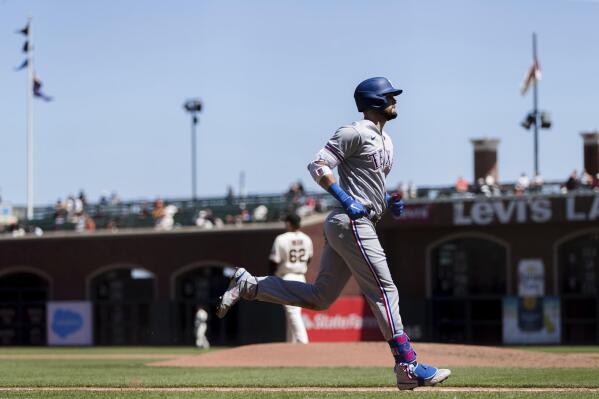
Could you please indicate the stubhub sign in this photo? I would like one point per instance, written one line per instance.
(69, 323)
(348, 319)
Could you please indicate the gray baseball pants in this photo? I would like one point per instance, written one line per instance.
(352, 248)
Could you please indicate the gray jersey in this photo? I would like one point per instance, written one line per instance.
(364, 158)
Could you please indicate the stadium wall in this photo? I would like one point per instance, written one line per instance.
(454, 263)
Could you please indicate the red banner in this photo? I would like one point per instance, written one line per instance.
(348, 319)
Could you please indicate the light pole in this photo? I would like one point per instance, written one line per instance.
(535, 107)
(193, 106)
(535, 118)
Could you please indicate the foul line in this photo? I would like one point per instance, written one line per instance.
(291, 389)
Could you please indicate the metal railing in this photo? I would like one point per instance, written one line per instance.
(130, 214)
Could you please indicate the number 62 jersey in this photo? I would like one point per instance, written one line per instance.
(291, 251)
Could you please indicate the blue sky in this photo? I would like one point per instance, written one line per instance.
(276, 79)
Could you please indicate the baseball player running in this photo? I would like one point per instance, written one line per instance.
(290, 255)
(363, 154)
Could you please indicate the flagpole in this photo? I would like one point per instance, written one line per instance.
(29, 124)
(535, 103)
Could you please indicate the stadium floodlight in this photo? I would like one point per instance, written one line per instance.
(193, 106)
(528, 121)
(545, 120)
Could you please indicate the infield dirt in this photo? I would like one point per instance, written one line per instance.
(366, 354)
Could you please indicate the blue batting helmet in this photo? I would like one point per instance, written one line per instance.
(373, 92)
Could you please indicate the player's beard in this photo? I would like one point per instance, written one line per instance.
(389, 113)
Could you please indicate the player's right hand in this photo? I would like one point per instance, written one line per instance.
(355, 210)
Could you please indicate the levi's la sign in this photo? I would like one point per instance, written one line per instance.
(525, 210)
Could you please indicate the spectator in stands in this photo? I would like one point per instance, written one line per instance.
(158, 211)
(300, 187)
(492, 184)
(260, 213)
(204, 219)
(82, 197)
(60, 212)
(596, 182)
(402, 189)
(16, 230)
(307, 208)
(104, 199)
(461, 185)
(523, 181)
(79, 220)
(522, 184)
(319, 206)
(90, 224)
(586, 180)
(167, 220)
(77, 206)
(571, 183)
(112, 225)
(412, 190)
(230, 195)
(70, 205)
(98, 211)
(295, 196)
(245, 216)
(114, 198)
(537, 183)
(84, 222)
(482, 187)
(237, 220)
(144, 212)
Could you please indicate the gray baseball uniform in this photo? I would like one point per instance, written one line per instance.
(364, 157)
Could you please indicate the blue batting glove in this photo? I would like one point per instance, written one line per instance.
(353, 208)
(395, 203)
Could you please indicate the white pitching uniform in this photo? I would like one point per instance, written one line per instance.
(201, 325)
(291, 251)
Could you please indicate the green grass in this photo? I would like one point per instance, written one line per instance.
(29, 372)
(101, 350)
(123, 373)
(561, 349)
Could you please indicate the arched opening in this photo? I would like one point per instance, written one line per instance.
(200, 285)
(122, 296)
(23, 297)
(468, 277)
(578, 285)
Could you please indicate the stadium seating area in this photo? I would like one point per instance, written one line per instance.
(204, 213)
(216, 212)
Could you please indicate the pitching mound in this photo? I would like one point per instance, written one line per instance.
(368, 354)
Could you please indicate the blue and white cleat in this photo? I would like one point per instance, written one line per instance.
(410, 376)
(241, 284)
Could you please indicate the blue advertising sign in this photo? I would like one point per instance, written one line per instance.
(69, 323)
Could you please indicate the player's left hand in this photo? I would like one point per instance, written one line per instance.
(395, 203)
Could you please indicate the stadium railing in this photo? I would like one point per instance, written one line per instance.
(131, 214)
